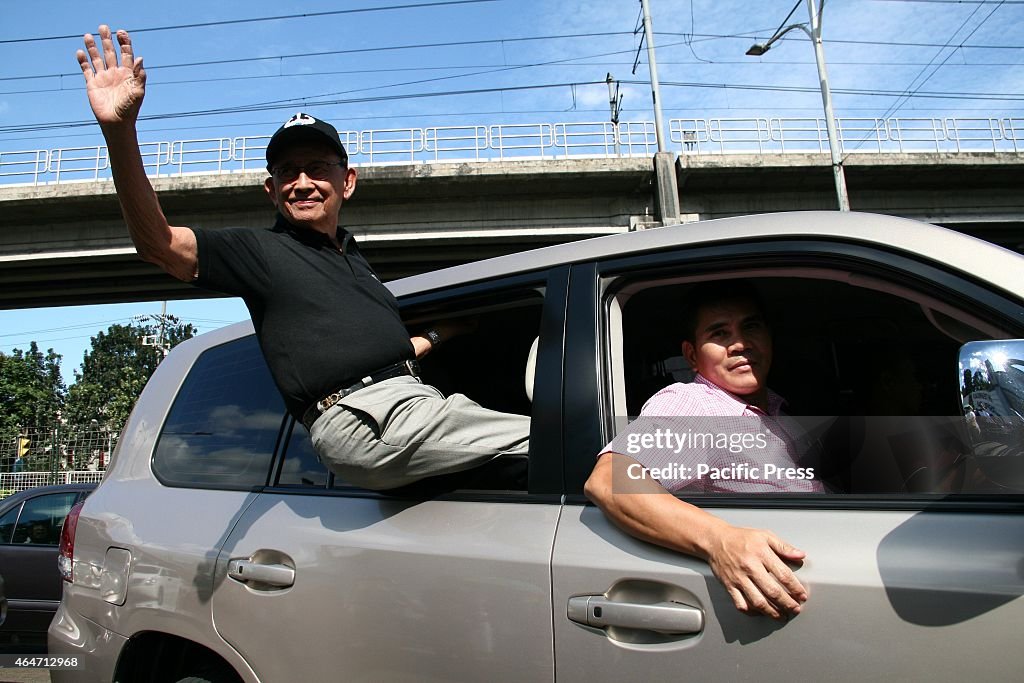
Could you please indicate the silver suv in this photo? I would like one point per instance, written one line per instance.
(219, 549)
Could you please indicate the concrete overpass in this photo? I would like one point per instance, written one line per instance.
(65, 242)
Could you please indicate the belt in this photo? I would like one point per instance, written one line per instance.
(408, 367)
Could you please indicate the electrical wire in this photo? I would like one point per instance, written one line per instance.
(386, 48)
(888, 43)
(962, 2)
(1009, 97)
(301, 102)
(64, 328)
(347, 51)
(253, 20)
(912, 89)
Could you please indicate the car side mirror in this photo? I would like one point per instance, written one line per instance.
(992, 392)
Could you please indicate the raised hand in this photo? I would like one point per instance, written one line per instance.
(115, 92)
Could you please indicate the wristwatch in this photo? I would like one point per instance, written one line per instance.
(433, 336)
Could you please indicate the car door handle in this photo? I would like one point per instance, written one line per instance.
(662, 617)
(270, 575)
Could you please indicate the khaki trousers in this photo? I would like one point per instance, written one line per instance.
(400, 430)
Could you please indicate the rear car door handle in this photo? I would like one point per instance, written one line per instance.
(662, 617)
(265, 575)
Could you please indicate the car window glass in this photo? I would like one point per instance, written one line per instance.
(868, 374)
(7, 522)
(42, 517)
(225, 422)
(301, 467)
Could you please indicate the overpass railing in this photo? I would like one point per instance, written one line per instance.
(540, 141)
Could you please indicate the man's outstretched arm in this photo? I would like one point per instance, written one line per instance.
(115, 95)
(750, 563)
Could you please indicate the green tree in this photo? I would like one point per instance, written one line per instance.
(31, 389)
(117, 367)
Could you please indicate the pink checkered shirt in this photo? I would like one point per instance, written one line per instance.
(765, 463)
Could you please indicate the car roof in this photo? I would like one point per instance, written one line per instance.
(974, 257)
(14, 498)
(999, 266)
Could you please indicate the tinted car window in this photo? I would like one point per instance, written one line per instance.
(225, 422)
(874, 366)
(7, 523)
(301, 467)
(42, 517)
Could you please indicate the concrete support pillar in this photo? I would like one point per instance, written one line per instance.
(666, 188)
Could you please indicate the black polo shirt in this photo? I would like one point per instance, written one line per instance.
(322, 317)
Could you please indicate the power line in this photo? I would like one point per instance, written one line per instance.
(275, 122)
(1011, 97)
(347, 51)
(571, 61)
(963, 2)
(252, 20)
(269, 123)
(870, 42)
(388, 48)
(912, 89)
(302, 102)
(64, 328)
(309, 101)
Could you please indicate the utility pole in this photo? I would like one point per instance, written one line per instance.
(615, 103)
(652, 64)
(838, 173)
(157, 340)
(664, 162)
(813, 31)
(163, 326)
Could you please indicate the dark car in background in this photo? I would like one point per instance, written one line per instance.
(3, 602)
(30, 526)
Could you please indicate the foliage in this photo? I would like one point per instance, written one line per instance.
(116, 368)
(31, 389)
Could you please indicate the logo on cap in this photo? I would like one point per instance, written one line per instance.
(299, 119)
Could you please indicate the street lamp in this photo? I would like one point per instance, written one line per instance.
(814, 33)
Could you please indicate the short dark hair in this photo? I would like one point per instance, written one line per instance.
(712, 294)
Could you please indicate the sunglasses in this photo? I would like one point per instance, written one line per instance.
(315, 170)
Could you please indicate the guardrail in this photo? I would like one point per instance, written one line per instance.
(544, 141)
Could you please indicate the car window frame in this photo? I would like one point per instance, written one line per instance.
(545, 466)
(588, 318)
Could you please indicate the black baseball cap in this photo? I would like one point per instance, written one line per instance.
(304, 128)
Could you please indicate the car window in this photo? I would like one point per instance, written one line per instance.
(42, 518)
(7, 523)
(223, 427)
(867, 368)
(301, 466)
(491, 359)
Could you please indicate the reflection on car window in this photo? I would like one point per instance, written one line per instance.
(42, 517)
(301, 466)
(870, 375)
(224, 423)
(7, 522)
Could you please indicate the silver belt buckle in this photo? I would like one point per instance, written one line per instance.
(324, 404)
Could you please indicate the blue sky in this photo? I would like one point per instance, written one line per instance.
(872, 46)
